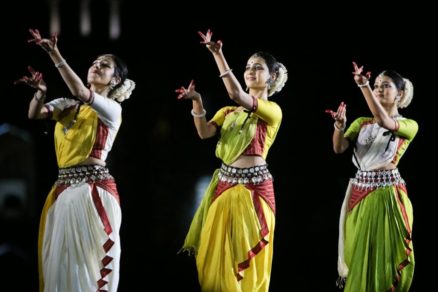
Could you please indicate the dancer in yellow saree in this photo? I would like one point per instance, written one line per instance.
(232, 232)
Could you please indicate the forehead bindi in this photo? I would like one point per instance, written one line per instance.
(256, 60)
(384, 80)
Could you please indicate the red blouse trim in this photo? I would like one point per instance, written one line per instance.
(257, 144)
(101, 138)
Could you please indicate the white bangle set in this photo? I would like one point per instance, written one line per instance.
(337, 128)
(61, 63)
(363, 85)
(201, 115)
(226, 73)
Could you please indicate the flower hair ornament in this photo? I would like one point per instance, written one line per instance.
(124, 91)
(279, 83)
(408, 94)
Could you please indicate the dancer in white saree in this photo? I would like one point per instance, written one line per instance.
(79, 243)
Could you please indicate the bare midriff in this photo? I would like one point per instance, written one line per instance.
(245, 161)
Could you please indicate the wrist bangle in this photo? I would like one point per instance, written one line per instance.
(201, 115)
(61, 64)
(339, 129)
(226, 73)
(363, 85)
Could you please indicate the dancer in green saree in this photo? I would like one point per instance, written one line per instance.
(375, 230)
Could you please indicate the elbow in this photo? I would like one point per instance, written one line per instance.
(235, 94)
(31, 115)
(383, 122)
(339, 150)
(233, 97)
(83, 93)
(380, 122)
(206, 132)
(76, 92)
(387, 124)
(203, 136)
(339, 147)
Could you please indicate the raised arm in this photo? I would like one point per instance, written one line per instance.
(234, 89)
(74, 83)
(340, 143)
(379, 113)
(205, 129)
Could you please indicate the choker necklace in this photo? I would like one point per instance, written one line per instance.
(72, 122)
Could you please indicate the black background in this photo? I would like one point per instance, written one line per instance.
(158, 158)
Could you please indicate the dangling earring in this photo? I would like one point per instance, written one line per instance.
(247, 88)
(112, 84)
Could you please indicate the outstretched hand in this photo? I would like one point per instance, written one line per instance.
(359, 78)
(47, 44)
(340, 116)
(189, 92)
(35, 80)
(214, 47)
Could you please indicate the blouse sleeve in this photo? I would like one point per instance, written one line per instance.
(268, 111)
(407, 128)
(57, 106)
(354, 129)
(108, 110)
(219, 118)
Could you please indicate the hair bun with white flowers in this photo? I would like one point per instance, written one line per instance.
(280, 81)
(124, 91)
